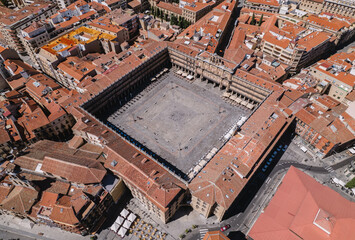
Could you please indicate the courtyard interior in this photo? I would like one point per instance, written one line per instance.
(179, 120)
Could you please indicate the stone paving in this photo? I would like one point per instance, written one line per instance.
(180, 121)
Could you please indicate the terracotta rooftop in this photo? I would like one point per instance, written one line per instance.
(170, 7)
(106, 24)
(78, 169)
(209, 28)
(134, 166)
(20, 200)
(302, 208)
(16, 16)
(333, 24)
(82, 35)
(77, 68)
(265, 2)
(226, 174)
(215, 235)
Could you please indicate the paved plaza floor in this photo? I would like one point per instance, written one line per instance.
(180, 121)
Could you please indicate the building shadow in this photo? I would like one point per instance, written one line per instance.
(236, 235)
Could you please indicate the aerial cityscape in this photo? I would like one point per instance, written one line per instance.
(177, 119)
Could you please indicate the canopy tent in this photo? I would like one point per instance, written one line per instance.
(184, 74)
(132, 217)
(127, 224)
(124, 213)
(115, 227)
(179, 72)
(250, 106)
(226, 94)
(190, 77)
(119, 220)
(233, 97)
(122, 231)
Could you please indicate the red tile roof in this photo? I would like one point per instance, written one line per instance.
(170, 7)
(78, 169)
(215, 235)
(20, 200)
(226, 174)
(299, 205)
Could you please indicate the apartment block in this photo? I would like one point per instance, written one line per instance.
(296, 49)
(12, 24)
(343, 28)
(341, 7)
(81, 191)
(209, 31)
(322, 126)
(78, 42)
(339, 71)
(263, 5)
(126, 19)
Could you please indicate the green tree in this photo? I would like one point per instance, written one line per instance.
(253, 21)
(184, 23)
(351, 183)
(173, 20)
(166, 17)
(261, 19)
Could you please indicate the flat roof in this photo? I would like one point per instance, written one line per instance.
(81, 35)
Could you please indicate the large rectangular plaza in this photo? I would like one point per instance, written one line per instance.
(180, 121)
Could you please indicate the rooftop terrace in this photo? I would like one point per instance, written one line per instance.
(82, 35)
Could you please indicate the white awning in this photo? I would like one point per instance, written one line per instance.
(197, 168)
(338, 181)
(127, 224)
(119, 220)
(189, 77)
(124, 213)
(226, 94)
(202, 163)
(122, 231)
(132, 217)
(115, 227)
(233, 97)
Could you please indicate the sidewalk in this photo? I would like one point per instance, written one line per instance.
(26, 228)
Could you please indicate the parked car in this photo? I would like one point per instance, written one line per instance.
(225, 227)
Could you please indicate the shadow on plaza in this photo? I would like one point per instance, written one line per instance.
(181, 212)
